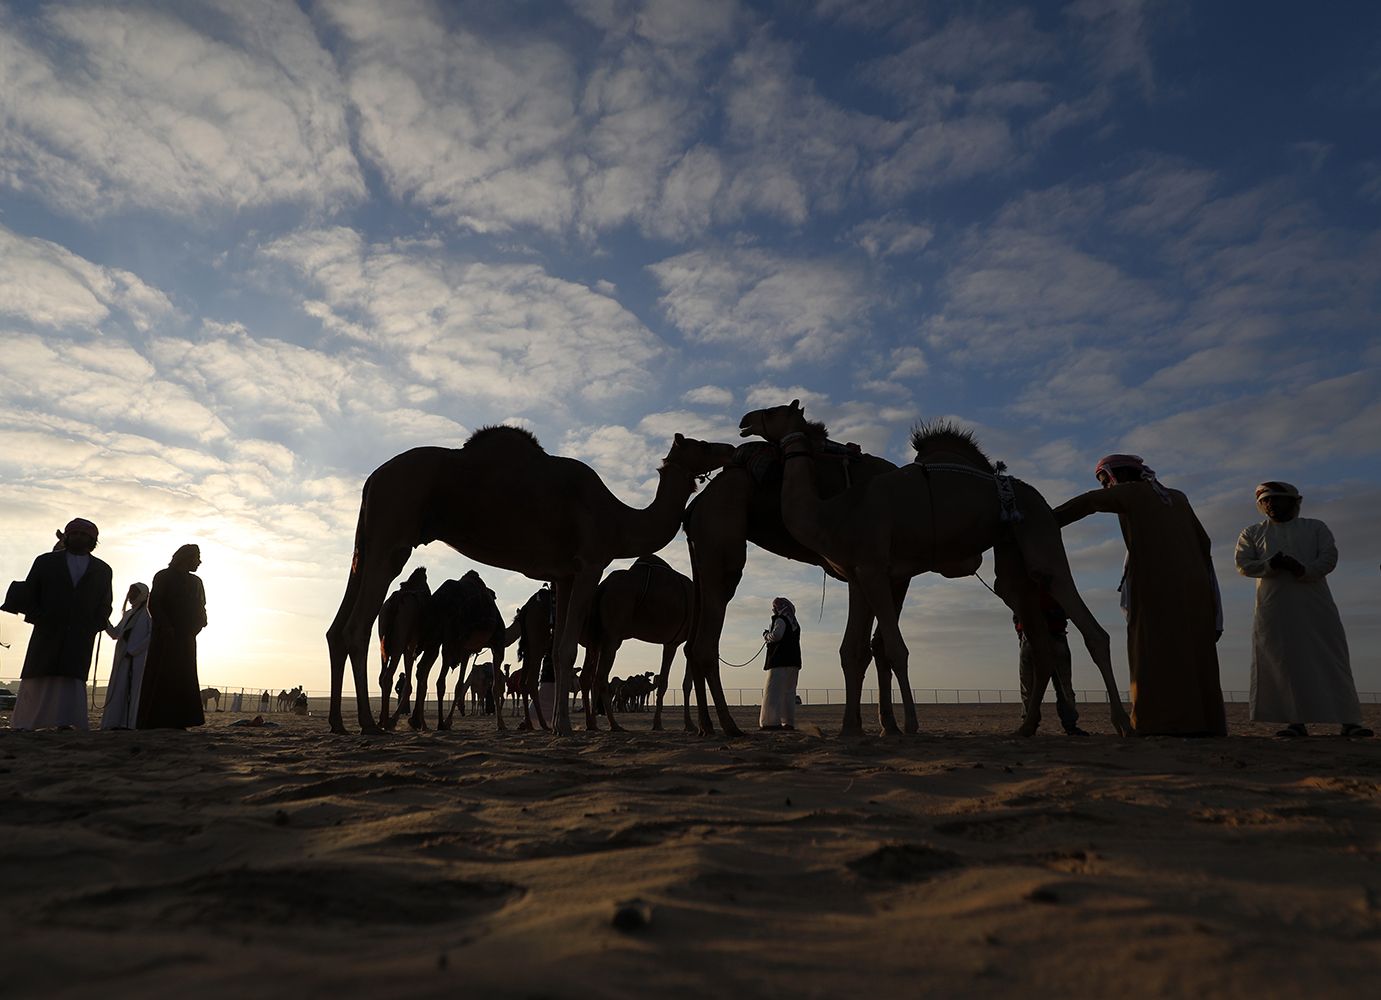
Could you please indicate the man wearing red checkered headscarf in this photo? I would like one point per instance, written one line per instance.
(1170, 594)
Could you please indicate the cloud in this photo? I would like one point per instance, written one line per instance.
(785, 309)
(49, 286)
(709, 395)
(167, 116)
(890, 236)
(487, 333)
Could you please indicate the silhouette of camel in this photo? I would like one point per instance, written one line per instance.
(503, 501)
(650, 602)
(402, 625)
(461, 620)
(945, 509)
(531, 629)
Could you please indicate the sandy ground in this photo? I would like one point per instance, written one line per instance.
(285, 861)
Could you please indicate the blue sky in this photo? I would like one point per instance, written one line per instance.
(251, 250)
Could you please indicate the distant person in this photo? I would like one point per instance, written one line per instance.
(171, 695)
(1301, 671)
(1174, 617)
(783, 666)
(131, 637)
(264, 701)
(68, 600)
(1056, 622)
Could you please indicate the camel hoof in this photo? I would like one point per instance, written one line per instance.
(1024, 732)
(526, 727)
(657, 727)
(371, 729)
(338, 728)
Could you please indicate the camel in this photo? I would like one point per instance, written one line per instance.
(503, 501)
(479, 683)
(402, 624)
(945, 509)
(209, 695)
(461, 620)
(743, 504)
(531, 629)
(650, 602)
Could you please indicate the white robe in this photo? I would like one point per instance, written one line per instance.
(1301, 671)
(127, 672)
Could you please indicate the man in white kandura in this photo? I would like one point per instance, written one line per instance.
(783, 640)
(1300, 667)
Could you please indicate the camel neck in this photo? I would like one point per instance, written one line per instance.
(800, 497)
(652, 527)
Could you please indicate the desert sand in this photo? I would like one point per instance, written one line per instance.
(961, 862)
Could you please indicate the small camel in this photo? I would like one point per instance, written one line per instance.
(650, 602)
(503, 501)
(532, 629)
(945, 509)
(209, 695)
(461, 620)
(402, 626)
(478, 685)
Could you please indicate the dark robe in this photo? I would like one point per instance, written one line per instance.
(171, 694)
(1170, 622)
(65, 618)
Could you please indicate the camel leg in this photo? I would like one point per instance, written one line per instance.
(418, 718)
(853, 658)
(668, 654)
(374, 570)
(877, 589)
(532, 681)
(609, 650)
(908, 700)
(887, 716)
(686, 685)
(716, 577)
(1096, 641)
(1021, 594)
(386, 672)
(589, 673)
(441, 721)
(573, 598)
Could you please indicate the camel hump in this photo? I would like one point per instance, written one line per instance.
(504, 436)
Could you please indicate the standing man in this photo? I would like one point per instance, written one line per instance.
(67, 598)
(1301, 671)
(1057, 623)
(783, 666)
(1173, 615)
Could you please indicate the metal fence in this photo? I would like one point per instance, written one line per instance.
(318, 702)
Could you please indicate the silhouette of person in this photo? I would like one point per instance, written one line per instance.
(1301, 671)
(131, 637)
(1056, 622)
(1173, 615)
(783, 667)
(171, 694)
(67, 598)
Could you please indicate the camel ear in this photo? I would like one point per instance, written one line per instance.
(679, 438)
(795, 404)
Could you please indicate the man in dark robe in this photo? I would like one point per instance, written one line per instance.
(67, 598)
(1173, 613)
(171, 694)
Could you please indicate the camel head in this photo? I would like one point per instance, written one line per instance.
(698, 457)
(775, 422)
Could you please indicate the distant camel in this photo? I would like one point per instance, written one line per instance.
(402, 624)
(650, 602)
(282, 702)
(946, 508)
(462, 619)
(479, 685)
(503, 501)
(209, 695)
(531, 630)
